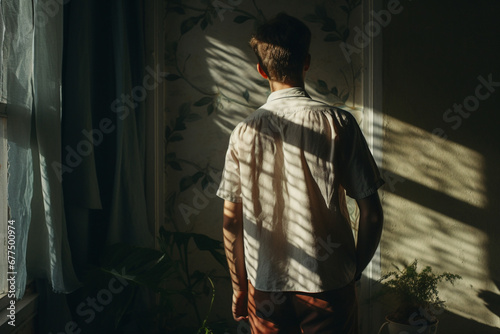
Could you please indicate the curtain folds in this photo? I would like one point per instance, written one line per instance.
(76, 132)
(31, 65)
(103, 65)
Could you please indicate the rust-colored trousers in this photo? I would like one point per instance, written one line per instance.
(330, 312)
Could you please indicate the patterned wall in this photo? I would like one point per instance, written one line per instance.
(212, 84)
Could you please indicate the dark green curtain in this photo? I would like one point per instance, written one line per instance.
(103, 146)
(102, 109)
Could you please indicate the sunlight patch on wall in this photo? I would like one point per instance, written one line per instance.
(413, 231)
(444, 166)
(239, 88)
(235, 72)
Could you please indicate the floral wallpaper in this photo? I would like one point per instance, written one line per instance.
(212, 84)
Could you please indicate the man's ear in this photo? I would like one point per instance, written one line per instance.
(261, 71)
(307, 63)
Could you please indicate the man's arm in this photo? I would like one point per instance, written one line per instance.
(371, 219)
(233, 245)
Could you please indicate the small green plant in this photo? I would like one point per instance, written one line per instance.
(416, 293)
(166, 274)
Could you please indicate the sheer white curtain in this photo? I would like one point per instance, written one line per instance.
(30, 84)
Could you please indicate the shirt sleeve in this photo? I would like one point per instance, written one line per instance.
(230, 185)
(355, 166)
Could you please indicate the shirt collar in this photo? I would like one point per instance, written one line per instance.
(287, 92)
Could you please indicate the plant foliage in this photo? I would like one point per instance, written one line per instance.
(417, 292)
(166, 273)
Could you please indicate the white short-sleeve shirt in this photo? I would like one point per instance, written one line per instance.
(289, 163)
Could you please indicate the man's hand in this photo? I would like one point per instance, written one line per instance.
(240, 308)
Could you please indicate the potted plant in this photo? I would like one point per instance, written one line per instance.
(417, 299)
(163, 274)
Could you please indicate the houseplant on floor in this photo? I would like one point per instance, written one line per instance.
(417, 298)
(154, 290)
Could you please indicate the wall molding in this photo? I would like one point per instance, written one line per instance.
(373, 129)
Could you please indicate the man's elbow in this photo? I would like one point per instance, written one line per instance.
(376, 214)
(232, 216)
(229, 223)
(371, 210)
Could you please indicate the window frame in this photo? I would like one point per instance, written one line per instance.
(372, 127)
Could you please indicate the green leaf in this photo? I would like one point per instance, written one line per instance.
(136, 264)
(124, 306)
(322, 87)
(210, 108)
(185, 183)
(345, 9)
(204, 183)
(192, 117)
(345, 97)
(322, 84)
(189, 24)
(203, 101)
(179, 124)
(171, 160)
(204, 242)
(197, 277)
(175, 137)
(246, 95)
(331, 38)
(180, 239)
(241, 18)
(172, 77)
(215, 247)
(175, 165)
(208, 17)
(210, 179)
(335, 91)
(197, 176)
(203, 24)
